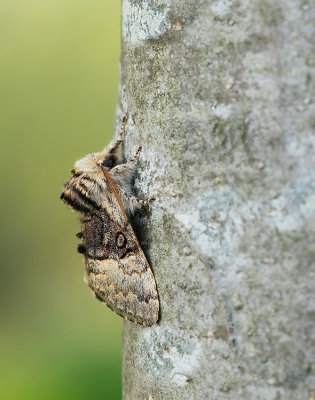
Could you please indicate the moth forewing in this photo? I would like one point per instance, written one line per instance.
(116, 268)
(119, 274)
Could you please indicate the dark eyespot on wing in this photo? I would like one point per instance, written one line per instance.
(120, 240)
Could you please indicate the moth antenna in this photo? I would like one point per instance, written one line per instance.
(114, 189)
(136, 155)
(115, 145)
(122, 129)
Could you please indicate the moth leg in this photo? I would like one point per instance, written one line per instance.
(133, 203)
(141, 202)
(125, 171)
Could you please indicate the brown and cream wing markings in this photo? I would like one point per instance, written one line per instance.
(116, 269)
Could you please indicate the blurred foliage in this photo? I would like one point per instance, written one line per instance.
(58, 92)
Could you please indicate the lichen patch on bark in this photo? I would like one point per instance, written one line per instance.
(142, 21)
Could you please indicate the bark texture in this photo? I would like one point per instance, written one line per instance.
(220, 95)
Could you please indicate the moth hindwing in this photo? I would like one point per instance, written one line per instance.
(116, 269)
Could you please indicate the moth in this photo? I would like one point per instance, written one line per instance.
(116, 269)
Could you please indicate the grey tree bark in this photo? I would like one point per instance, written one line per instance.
(220, 95)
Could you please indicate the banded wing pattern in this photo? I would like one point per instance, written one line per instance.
(116, 269)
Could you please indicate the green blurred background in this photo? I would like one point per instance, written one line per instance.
(58, 93)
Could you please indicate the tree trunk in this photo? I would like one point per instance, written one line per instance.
(219, 94)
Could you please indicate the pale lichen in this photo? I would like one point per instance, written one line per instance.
(142, 21)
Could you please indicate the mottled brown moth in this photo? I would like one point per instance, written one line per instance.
(116, 269)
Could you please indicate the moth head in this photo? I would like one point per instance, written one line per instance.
(92, 162)
(108, 162)
(85, 190)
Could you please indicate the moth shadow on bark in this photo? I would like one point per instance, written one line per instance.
(142, 231)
